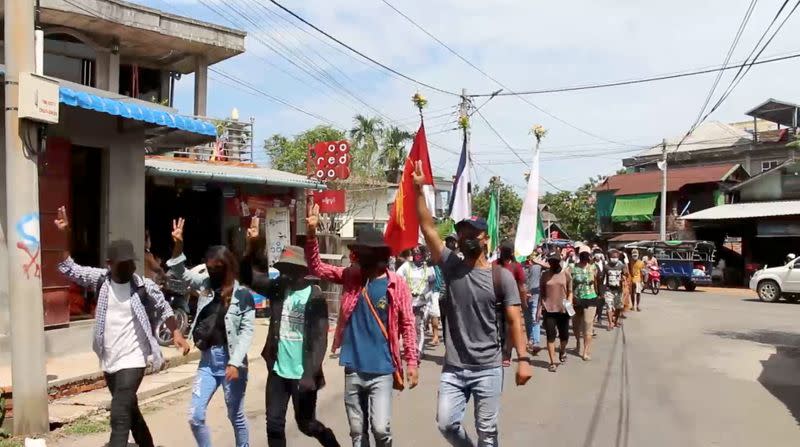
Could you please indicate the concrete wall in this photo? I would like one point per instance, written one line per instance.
(767, 188)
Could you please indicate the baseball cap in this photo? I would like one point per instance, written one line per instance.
(478, 223)
(121, 250)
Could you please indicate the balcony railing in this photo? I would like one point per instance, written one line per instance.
(234, 143)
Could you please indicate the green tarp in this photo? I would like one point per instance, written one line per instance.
(634, 208)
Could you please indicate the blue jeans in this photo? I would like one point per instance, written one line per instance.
(210, 376)
(532, 325)
(456, 387)
(375, 393)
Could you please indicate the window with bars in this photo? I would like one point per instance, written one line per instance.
(767, 165)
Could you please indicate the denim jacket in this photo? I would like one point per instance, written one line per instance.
(241, 316)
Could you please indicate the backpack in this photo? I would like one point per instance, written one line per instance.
(147, 302)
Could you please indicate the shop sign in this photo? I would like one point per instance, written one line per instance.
(330, 201)
(38, 98)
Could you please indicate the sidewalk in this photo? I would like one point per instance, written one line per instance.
(177, 375)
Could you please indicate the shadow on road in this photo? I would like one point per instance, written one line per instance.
(781, 371)
(756, 300)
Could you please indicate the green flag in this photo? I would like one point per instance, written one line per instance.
(493, 223)
(540, 233)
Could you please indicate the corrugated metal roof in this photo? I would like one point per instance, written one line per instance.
(228, 173)
(630, 237)
(780, 112)
(650, 181)
(748, 210)
(709, 135)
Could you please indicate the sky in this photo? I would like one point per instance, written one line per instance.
(523, 44)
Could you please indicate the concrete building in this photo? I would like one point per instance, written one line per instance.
(757, 145)
(628, 205)
(115, 64)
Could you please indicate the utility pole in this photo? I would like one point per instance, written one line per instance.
(28, 372)
(464, 115)
(664, 190)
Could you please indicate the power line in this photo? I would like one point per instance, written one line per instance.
(501, 138)
(654, 78)
(490, 77)
(735, 42)
(385, 67)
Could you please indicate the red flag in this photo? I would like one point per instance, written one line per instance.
(402, 231)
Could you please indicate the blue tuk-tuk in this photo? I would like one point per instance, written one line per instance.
(682, 263)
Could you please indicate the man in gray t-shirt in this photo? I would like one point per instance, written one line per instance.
(472, 340)
(473, 359)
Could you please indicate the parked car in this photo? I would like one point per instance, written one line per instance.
(775, 283)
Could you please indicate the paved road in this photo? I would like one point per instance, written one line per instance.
(692, 369)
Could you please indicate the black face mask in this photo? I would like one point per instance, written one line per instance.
(471, 247)
(371, 261)
(217, 279)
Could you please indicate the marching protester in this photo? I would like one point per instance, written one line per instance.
(222, 330)
(375, 312)
(479, 296)
(555, 293)
(507, 260)
(420, 279)
(533, 321)
(435, 313)
(637, 267)
(599, 263)
(614, 280)
(295, 349)
(584, 285)
(129, 309)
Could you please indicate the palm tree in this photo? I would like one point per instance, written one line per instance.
(365, 136)
(393, 153)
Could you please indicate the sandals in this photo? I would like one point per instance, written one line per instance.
(552, 368)
(562, 357)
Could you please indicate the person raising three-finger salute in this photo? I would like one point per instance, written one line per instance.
(223, 331)
(124, 339)
(375, 312)
(480, 296)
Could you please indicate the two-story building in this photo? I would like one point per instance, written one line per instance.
(115, 64)
(764, 211)
(757, 145)
(628, 205)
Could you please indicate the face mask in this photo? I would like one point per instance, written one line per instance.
(370, 261)
(614, 260)
(418, 260)
(216, 278)
(471, 247)
(635, 257)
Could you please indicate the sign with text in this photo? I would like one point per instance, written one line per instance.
(329, 160)
(38, 98)
(330, 201)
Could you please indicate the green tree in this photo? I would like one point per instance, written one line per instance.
(575, 210)
(291, 154)
(510, 206)
(393, 150)
(365, 136)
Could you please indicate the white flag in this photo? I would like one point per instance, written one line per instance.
(525, 242)
(460, 199)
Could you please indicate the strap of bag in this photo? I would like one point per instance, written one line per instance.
(365, 294)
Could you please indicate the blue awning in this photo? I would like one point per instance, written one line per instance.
(85, 100)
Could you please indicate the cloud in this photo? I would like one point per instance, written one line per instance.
(525, 45)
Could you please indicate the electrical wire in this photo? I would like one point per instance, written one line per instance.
(490, 77)
(384, 66)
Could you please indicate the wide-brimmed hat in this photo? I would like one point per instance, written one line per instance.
(292, 255)
(369, 238)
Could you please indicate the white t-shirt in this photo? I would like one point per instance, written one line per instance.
(122, 344)
(418, 279)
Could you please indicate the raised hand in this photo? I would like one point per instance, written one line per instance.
(62, 221)
(252, 232)
(177, 230)
(419, 175)
(312, 221)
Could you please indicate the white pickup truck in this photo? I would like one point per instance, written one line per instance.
(773, 283)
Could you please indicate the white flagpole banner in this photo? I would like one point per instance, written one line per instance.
(525, 242)
(460, 199)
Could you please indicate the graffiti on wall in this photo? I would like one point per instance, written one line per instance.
(28, 232)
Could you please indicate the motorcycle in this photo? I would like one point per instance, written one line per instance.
(654, 279)
(176, 293)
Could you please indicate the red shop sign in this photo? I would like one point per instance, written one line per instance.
(330, 201)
